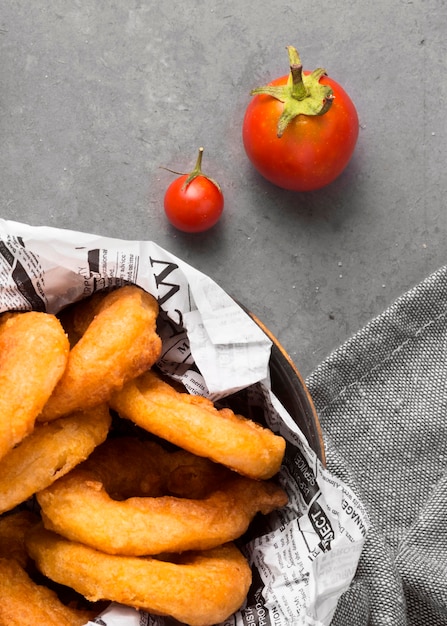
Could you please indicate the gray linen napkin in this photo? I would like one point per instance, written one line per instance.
(382, 401)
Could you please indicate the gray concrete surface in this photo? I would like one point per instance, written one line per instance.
(96, 96)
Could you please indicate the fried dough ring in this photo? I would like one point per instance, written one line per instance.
(24, 603)
(33, 355)
(119, 342)
(13, 528)
(193, 423)
(78, 505)
(131, 467)
(49, 452)
(198, 588)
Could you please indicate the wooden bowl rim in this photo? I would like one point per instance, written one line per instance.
(281, 358)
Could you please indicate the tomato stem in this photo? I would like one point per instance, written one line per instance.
(197, 171)
(302, 95)
(298, 91)
(298, 88)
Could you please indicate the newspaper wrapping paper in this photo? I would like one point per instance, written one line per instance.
(305, 555)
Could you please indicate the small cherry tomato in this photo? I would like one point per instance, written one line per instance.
(194, 202)
(300, 130)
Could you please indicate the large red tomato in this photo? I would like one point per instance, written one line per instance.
(314, 148)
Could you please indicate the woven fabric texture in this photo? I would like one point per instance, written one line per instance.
(382, 402)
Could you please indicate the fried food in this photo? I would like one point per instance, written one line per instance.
(79, 507)
(118, 342)
(33, 355)
(49, 452)
(193, 423)
(131, 467)
(128, 520)
(196, 588)
(13, 528)
(24, 603)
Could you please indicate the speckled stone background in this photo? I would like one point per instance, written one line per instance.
(96, 97)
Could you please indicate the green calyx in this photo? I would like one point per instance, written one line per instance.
(302, 95)
(197, 171)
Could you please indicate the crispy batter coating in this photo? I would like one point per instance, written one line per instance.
(130, 467)
(193, 423)
(196, 588)
(118, 343)
(33, 355)
(13, 528)
(49, 452)
(24, 603)
(79, 507)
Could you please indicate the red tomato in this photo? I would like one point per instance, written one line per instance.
(313, 150)
(194, 208)
(193, 202)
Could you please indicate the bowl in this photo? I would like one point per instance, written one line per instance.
(289, 387)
